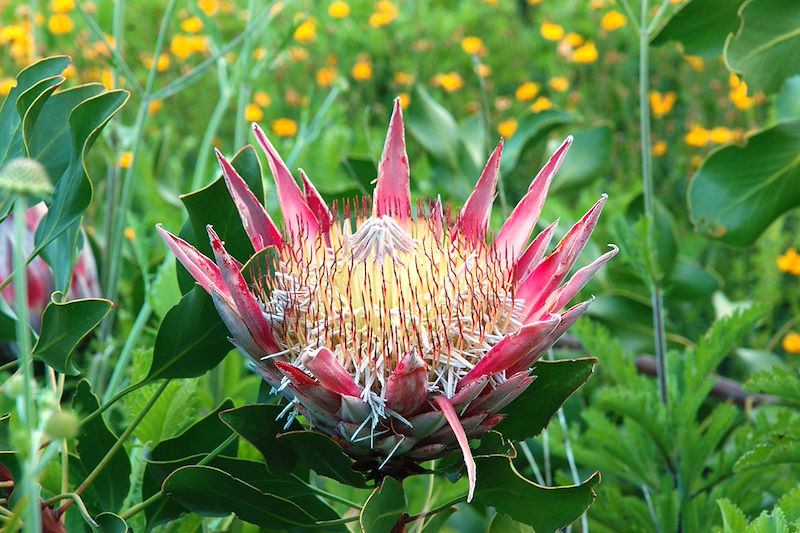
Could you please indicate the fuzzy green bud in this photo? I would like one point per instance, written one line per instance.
(62, 425)
(26, 177)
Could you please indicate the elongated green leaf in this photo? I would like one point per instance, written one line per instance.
(111, 485)
(544, 508)
(433, 127)
(64, 325)
(191, 340)
(212, 492)
(769, 34)
(30, 104)
(259, 425)
(740, 190)
(701, 26)
(323, 455)
(555, 381)
(502, 523)
(384, 507)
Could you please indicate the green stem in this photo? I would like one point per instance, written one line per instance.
(127, 350)
(328, 495)
(437, 509)
(198, 178)
(9, 365)
(124, 392)
(27, 414)
(78, 502)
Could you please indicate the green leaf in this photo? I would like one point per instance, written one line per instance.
(212, 492)
(30, 103)
(259, 425)
(111, 485)
(323, 455)
(64, 325)
(555, 381)
(777, 381)
(733, 519)
(787, 103)
(502, 523)
(545, 508)
(530, 129)
(433, 127)
(740, 190)
(383, 508)
(588, 158)
(780, 451)
(191, 340)
(769, 34)
(690, 281)
(701, 26)
(110, 523)
(666, 241)
(73, 189)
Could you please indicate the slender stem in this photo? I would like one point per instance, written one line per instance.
(118, 444)
(78, 502)
(204, 153)
(27, 414)
(326, 494)
(526, 451)
(127, 350)
(437, 509)
(124, 392)
(336, 522)
(9, 365)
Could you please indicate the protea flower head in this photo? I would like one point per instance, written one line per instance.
(84, 282)
(401, 333)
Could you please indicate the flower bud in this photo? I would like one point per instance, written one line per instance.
(62, 425)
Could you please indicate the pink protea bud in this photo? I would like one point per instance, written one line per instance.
(401, 333)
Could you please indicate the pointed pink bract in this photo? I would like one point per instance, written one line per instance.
(316, 203)
(392, 190)
(202, 269)
(474, 218)
(330, 372)
(455, 424)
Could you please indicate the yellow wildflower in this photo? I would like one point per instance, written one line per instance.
(181, 46)
(507, 128)
(385, 13)
(298, 53)
(339, 9)
(558, 84)
(484, 71)
(326, 76)
(791, 343)
(573, 40)
(306, 32)
(542, 103)
(259, 53)
(284, 127)
(527, 91)
(62, 6)
(597, 4)
(192, 25)
(450, 82)
(60, 23)
(262, 98)
(107, 79)
(534, 2)
(789, 262)
(362, 70)
(738, 94)
(6, 84)
(586, 53)
(661, 103)
(613, 20)
(697, 137)
(70, 72)
(721, 135)
(659, 149)
(696, 62)
(209, 7)
(129, 234)
(403, 79)
(253, 113)
(155, 106)
(473, 45)
(405, 100)
(551, 31)
(126, 159)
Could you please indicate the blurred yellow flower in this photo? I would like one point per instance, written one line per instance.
(259, 53)
(551, 31)
(405, 100)
(698, 136)
(209, 7)
(450, 82)
(659, 149)
(490, 2)
(183, 46)
(385, 13)
(696, 62)
(161, 65)
(534, 2)
(791, 343)
(790, 262)
(573, 39)
(298, 53)
(484, 71)
(192, 25)
(62, 6)
(60, 24)
(339, 9)
(586, 53)
(6, 84)
(558, 84)
(661, 103)
(129, 233)
(155, 106)
(597, 4)
(722, 135)
(70, 72)
(738, 94)
(326, 76)
(253, 113)
(306, 32)
(362, 70)
(284, 127)
(527, 91)
(542, 103)
(262, 99)
(473, 45)
(125, 159)
(107, 79)
(403, 79)
(613, 20)
(507, 128)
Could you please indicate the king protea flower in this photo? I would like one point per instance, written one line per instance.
(401, 333)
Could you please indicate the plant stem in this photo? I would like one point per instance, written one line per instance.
(326, 494)
(27, 412)
(121, 394)
(127, 350)
(437, 509)
(656, 295)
